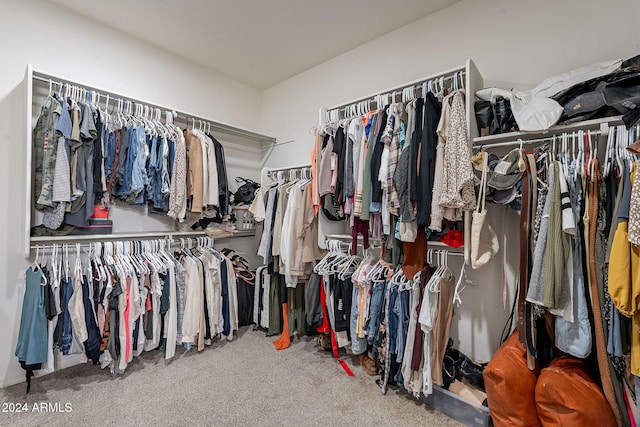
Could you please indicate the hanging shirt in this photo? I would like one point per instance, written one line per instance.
(178, 190)
(458, 183)
(195, 170)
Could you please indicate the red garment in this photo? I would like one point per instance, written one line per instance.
(362, 227)
(324, 328)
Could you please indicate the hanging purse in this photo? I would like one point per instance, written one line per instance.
(245, 192)
(484, 242)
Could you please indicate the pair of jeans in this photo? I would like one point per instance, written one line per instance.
(121, 155)
(375, 309)
(358, 344)
(138, 171)
(392, 327)
(109, 154)
(401, 310)
(157, 188)
(64, 321)
(128, 157)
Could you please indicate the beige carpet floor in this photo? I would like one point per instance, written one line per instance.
(241, 383)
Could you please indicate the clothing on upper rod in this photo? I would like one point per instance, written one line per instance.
(96, 95)
(86, 155)
(287, 231)
(580, 280)
(405, 92)
(399, 171)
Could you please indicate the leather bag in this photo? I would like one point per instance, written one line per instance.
(567, 396)
(510, 386)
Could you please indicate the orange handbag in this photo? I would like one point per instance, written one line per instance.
(567, 396)
(510, 386)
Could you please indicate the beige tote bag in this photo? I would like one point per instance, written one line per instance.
(484, 242)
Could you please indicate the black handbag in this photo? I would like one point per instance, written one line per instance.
(495, 118)
(484, 118)
(245, 192)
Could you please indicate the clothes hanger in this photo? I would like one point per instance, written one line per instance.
(102, 274)
(55, 267)
(447, 274)
(580, 157)
(457, 292)
(345, 272)
(565, 154)
(433, 285)
(594, 155)
(394, 278)
(415, 282)
(66, 261)
(335, 265)
(35, 266)
(335, 254)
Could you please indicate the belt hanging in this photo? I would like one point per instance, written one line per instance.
(524, 249)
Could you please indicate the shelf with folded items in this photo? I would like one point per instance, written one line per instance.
(601, 124)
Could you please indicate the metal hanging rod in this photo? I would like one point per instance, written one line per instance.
(521, 141)
(88, 245)
(126, 236)
(270, 170)
(109, 237)
(458, 72)
(188, 118)
(448, 252)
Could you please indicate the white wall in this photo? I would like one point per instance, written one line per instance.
(509, 40)
(62, 43)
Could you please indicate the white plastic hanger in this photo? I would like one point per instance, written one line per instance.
(35, 266)
(579, 153)
(566, 153)
(433, 284)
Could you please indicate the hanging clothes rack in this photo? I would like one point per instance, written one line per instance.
(193, 120)
(457, 76)
(38, 241)
(271, 171)
(521, 141)
(37, 81)
(267, 174)
(171, 240)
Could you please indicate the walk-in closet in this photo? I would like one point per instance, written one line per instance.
(285, 213)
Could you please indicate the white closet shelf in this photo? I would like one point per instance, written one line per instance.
(595, 124)
(430, 243)
(132, 236)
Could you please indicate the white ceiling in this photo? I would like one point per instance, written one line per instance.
(257, 42)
